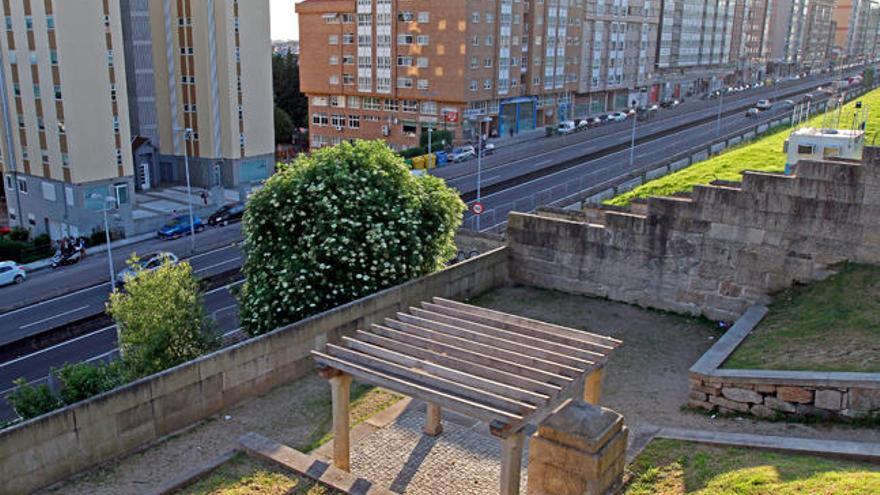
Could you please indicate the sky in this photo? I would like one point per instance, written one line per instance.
(284, 24)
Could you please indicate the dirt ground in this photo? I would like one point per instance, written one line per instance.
(646, 379)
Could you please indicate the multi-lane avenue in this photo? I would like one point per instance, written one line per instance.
(513, 178)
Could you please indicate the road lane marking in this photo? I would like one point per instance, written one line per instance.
(215, 265)
(216, 250)
(225, 287)
(66, 342)
(54, 299)
(543, 162)
(59, 315)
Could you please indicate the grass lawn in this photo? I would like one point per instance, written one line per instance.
(244, 476)
(832, 325)
(366, 401)
(669, 467)
(764, 155)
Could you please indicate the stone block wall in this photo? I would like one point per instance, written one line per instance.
(51, 447)
(769, 400)
(714, 252)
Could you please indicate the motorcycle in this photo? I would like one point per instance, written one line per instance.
(66, 258)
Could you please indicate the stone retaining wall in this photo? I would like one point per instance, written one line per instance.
(716, 251)
(773, 393)
(51, 447)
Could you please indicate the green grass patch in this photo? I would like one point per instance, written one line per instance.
(764, 155)
(670, 467)
(831, 325)
(244, 475)
(366, 401)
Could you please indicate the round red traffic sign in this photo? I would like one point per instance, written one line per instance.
(477, 208)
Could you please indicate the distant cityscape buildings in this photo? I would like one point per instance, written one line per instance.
(100, 99)
(393, 68)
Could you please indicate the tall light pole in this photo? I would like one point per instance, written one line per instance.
(105, 210)
(632, 141)
(720, 105)
(430, 130)
(480, 162)
(187, 137)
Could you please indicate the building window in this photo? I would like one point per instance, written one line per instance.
(16, 89)
(333, 39)
(490, 17)
(475, 17)
(337, 120)
(22, 186)
(488, 62)
(405, 16)
(334, 79)
(391, 105)
(53, 57)
(334, 60)
(371, 103)
(423, 84)
(473, 84)
(475, 40)
(57, 92)
(487, 84)
(489, 40)
(353, 101)
(347, 38)
(411, 106)
(422, 62)
(354, 121)
(50, 22)
(348, 60)
(404, 39)
(61, 128)
(422, 39)
(404, 82)
(429, 107)
(319, 119)
(347, 18)
(29, 23)
(424, 17)
(404, 61)
(337, 101)
(348, 79)
(9, 23)
(65, 160)
(109, 58)
(475, 62)
(118, 156)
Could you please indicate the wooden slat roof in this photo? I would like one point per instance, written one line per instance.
(503, 369)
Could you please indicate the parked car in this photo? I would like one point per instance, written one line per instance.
(488, 148)
(617, 116)
(11, 273)
(227, 214)
(788, 103)
(148, 263)
(462, 153)
(603, 118)
(764, 105)
(592, 122)
(180, 227)
(752, 112)
(566, 127)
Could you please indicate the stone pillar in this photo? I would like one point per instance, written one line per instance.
(578, 450)
(433, 426)
(593, 386)
(340, 393)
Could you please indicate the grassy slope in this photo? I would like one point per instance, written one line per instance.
(765, 155)
(669, 467)
(832, 325)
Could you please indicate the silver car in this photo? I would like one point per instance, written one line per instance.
(149, 262)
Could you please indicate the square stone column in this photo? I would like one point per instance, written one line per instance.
(578, 450)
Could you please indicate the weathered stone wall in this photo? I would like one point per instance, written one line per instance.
(51, 447)
(769, 400)
(715, 252)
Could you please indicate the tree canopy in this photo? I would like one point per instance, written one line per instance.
(337, 225)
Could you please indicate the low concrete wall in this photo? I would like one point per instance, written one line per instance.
(51, 447)
(773, 393)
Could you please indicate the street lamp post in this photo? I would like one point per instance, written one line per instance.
(632, 141)
(480, 162)
(105, 210)
(720, 106)
(187, 136)
(430, 130)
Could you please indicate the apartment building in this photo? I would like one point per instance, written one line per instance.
(97, 95)
(696, 50)
(801, 34)
(65, 141)
(393, 68)
(856, 29)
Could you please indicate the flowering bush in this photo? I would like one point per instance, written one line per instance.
(337, 225)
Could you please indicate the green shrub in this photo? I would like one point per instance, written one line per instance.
(439, 138)
(20, 234)
(12, 250)
(83, 380)
(412, 152)
(339, 224)
(29, 401)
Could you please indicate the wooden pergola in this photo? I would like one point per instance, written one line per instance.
(506, 370)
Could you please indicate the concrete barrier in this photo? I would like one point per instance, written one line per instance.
(51, 447)
(657, 172)
(599, 197)
(628, 185)
(699, 156)
(734, 141)
(680, 164)
(717, 147)
(761, 128)
(749, 135)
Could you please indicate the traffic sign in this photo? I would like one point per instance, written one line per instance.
(477, 208)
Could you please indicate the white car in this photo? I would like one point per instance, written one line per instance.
(764, 105)
(566, 127)
(149, 262)
(11, 273)
(462, 153)
(617, 116)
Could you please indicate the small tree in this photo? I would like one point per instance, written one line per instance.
(83, 380)
(283, 126)
(161, 320)
(29, 401)
(337, 225)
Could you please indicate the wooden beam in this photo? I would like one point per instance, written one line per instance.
(460, 389)
(453, 374)
(417, 390)
(564, 364)
(511, 463)
(489, 350)
(593, 386)
(513, 366)
(433, 425)
(435, 313)
(521, 320)
(340, 393)
(470, 313)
